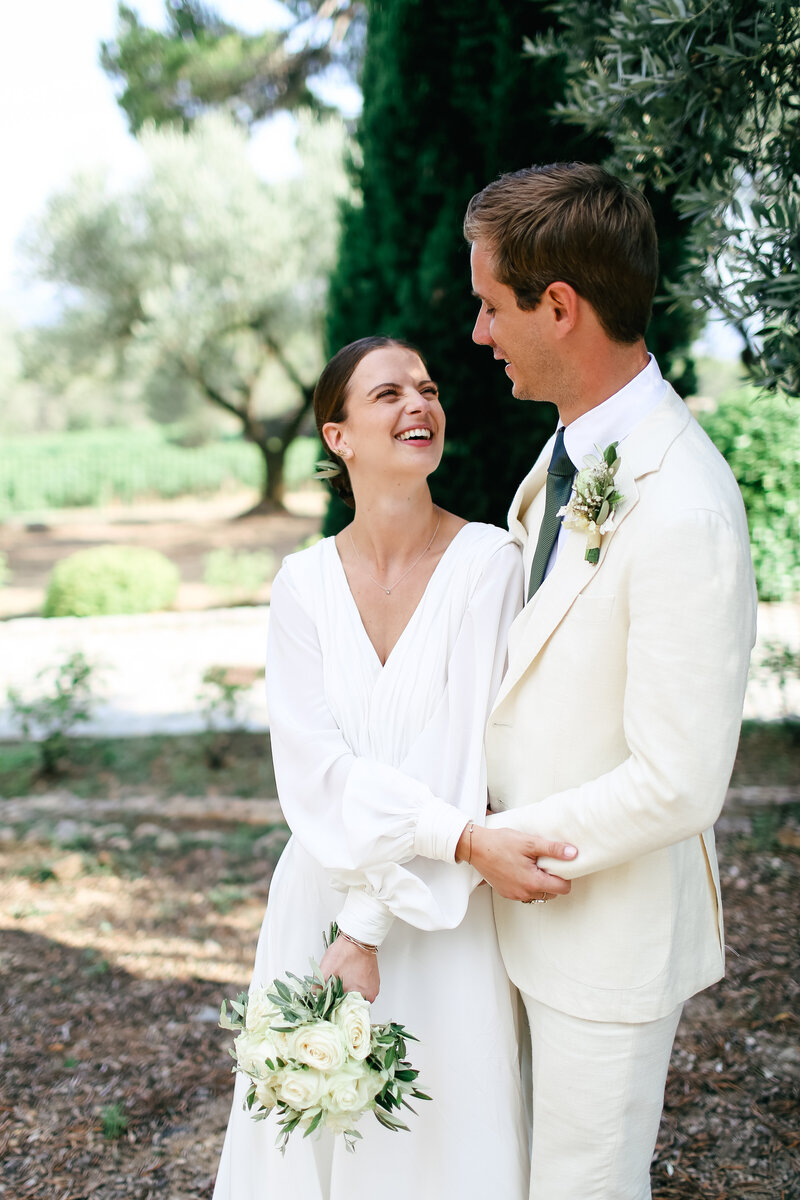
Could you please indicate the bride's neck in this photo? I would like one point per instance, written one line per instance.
(391, 528)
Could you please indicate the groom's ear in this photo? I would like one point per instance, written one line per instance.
(563, 303)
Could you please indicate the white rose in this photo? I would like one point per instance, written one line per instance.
(252, 1052)
(300, 1089)
(352, 1017)
(266, 1094)
(341, 1122)
(320, 1045)
(352, 1089)
(260, 1012)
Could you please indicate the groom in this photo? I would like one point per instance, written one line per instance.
(616, 726)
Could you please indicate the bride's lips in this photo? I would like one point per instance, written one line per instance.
(415, 435)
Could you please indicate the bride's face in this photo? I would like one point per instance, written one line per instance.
(394, 428)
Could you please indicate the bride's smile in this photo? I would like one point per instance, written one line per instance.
(393, 408)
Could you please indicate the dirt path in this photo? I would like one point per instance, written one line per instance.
(184, 530)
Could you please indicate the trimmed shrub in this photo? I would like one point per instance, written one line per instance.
(759, 435)
(111, 579)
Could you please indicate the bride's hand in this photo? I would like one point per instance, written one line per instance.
(357, 968)
(508, 861)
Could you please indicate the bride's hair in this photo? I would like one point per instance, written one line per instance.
(330, 399)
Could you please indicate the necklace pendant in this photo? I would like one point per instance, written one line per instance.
(388, 591)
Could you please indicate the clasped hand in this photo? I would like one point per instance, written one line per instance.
(507, 860)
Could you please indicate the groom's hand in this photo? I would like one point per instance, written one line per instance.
(507, 860)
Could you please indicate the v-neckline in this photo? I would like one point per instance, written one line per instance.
(417, 607)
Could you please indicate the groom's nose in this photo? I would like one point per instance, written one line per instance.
(480, 330)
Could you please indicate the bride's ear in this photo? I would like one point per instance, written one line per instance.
(335, 439)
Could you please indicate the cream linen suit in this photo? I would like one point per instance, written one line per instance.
(616, 728)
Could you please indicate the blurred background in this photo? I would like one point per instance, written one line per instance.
(202, 202)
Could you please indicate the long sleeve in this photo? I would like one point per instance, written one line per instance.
(691, 628)
(370, 823)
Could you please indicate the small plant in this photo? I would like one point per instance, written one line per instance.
(115, 1123)
(238, 575)
(49, 719)
(111, 579)
(220, 699)
(783, 663)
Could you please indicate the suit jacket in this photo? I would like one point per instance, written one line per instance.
(616, 728)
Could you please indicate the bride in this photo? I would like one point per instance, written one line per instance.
(386, 647)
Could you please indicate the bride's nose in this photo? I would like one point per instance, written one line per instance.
(417, 401)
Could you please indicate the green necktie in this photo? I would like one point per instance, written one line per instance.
(560, 475)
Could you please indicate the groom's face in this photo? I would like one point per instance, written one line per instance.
(516, 336)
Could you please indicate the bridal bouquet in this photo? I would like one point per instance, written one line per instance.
(311, 1055)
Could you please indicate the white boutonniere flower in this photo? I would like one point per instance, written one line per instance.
(595, 499)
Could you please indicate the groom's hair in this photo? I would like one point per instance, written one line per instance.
(577, 223)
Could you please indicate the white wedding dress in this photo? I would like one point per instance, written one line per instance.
(378, 769)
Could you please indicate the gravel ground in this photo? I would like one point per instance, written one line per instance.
(122, 931)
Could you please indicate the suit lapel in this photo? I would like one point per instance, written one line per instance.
(527, 491)
(641, 453)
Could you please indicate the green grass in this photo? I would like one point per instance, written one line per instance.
(165, 765)
(769, 754)
(89, 468)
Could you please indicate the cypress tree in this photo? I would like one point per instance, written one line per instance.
(450, 102)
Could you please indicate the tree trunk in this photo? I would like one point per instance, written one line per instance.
(273, 488)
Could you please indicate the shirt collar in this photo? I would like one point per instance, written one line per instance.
(616, 417)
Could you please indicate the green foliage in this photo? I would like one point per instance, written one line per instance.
(220, 698)
(700, 96)
(239, 574)
(759, 435)
(111, 579)
(199, 280)
(115, 1123)
(65, 701)
(201, 62)
(165, 766)
(783, 663)
(95, 467)
(404, 265)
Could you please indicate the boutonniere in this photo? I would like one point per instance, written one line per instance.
(595, 500)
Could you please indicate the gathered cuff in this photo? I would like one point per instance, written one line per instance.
(365, 917)
(439, 827)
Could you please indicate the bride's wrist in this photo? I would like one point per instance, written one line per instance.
(364, 946)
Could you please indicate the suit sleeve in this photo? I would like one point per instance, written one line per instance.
(691, 629)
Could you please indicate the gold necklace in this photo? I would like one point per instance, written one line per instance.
(377, 582)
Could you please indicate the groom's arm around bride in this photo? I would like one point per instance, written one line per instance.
(617, 722)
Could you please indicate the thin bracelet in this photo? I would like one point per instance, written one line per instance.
(365, 946)
(470, 828)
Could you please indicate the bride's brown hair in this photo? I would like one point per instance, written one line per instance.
(330, 397)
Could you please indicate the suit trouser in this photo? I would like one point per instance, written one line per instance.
(598, 1091)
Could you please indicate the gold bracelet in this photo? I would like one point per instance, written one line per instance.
(365, 946)
(470, 828)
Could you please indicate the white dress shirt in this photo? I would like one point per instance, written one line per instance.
(610, 421)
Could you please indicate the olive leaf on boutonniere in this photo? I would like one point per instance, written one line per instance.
(595, 499)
